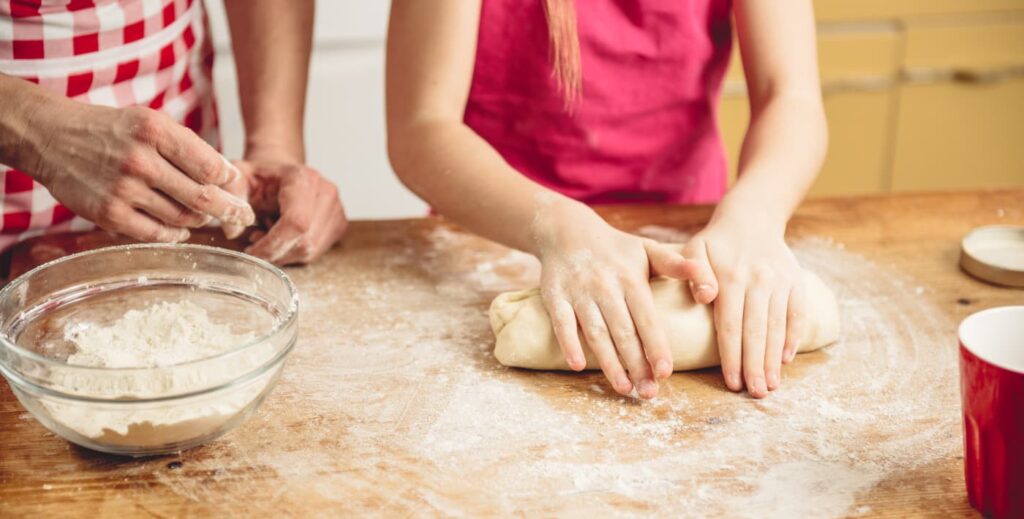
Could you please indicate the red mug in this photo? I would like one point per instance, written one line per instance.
(992, 391)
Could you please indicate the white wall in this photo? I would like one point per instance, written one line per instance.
(345, 111)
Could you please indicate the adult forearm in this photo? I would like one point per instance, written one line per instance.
(781, 156)
(23, 102)
(272, 42)
(462, 177)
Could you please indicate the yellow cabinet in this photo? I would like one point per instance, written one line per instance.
(919, 95)
(961, 108)
(858, 74)
(854, 10)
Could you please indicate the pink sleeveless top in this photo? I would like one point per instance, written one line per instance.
(644, 129)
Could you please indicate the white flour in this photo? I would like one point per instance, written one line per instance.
(162, 335)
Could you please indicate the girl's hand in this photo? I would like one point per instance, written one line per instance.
(745, 267)
(133, 171)
(594, 281)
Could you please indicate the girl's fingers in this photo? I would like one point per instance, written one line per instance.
(728, 326)
(645, 316)
(563, 320)
(627, 344)
(595, 331)
(795, 321)
(777, 308)
(665, 260)
(703, 282)
(755, 332)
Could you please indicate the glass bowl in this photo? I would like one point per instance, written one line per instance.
(145, 411)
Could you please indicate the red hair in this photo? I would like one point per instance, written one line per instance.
(565, 48)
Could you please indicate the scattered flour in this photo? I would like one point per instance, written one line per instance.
(392, 406)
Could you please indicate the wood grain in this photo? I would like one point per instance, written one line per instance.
(375, 412)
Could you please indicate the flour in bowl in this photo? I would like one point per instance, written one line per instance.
(163, 334)
(161, 337)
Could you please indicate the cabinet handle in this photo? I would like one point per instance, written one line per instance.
(828, 87)
(967, 75)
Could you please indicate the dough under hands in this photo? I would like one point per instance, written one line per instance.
(525, 338)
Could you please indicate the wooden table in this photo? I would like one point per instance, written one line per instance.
(392, 404)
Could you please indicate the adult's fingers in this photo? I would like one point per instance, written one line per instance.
(297, 198)
(776, 339)
(563, 319)
(166, 210)
(193, 156)
(595, 331)
(239, 187)
(795, 321)
(703, 282)
(728, 326)
(124, 219)
(203, 198)
(755, 330)
(627, 344)
(645, 316)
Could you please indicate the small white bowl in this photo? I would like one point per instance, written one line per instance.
(145, 411)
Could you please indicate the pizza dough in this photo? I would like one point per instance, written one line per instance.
(525, 338)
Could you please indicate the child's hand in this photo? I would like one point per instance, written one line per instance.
(596, 277)
(746, 268)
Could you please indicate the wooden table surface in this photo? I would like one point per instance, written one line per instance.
(391, 403)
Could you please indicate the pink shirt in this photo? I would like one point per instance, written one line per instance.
(644, 129)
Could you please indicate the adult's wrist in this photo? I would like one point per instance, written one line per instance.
(27, 127)
(275, 149)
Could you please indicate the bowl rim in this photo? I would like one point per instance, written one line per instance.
(291, 313)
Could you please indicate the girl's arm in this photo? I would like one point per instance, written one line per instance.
(592, 274)
(747, 269)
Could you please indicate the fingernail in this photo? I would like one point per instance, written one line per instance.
(758, 386)
(179, 236)
(664, 368)
(648, 388)
(623, 385)
(773, 381)
(206, 220)
(792, 352)
(232, 231)
(578, 362)
(232, 172)
(732, 381)
(704, 291)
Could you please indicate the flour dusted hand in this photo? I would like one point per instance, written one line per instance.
(525, 338)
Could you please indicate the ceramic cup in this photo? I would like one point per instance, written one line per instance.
(992, 391)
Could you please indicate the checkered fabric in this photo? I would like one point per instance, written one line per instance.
(115, 53)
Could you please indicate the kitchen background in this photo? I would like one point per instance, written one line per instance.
(920, 95)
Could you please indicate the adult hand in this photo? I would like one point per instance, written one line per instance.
(595, 280)
(301, 209)
(745, 267)
(133, 171)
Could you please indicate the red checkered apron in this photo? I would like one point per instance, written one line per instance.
(115, 53)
